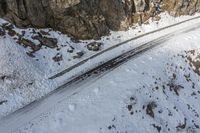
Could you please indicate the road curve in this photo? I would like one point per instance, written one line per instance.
(22, 116)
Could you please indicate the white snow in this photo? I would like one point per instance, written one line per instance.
(23, 81)
(27, 78)
(117, 102)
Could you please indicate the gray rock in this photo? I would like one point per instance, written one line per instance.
(78, 55)
(85, 19)
(2, 32)
(49, 42)
(94, 46)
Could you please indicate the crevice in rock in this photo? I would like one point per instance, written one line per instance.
(25, 6)
(4, 7)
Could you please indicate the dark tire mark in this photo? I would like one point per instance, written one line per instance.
(115, 46)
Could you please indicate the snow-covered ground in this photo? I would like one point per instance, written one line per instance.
(156, 92)
(24, 77)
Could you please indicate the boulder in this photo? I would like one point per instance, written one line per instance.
(94, 46)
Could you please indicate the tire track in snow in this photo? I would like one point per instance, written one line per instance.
(115, 46)
(35, 109)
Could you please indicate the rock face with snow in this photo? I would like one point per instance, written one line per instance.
(85, 19)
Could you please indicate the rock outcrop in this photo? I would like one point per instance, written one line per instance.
(84, 19)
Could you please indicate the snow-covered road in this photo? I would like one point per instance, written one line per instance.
(46, 107)
(122, 43)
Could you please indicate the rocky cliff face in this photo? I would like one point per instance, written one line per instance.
(85, 19)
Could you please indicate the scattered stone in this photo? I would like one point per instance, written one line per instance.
(44, 33)
(2, 32)
(58, 58)
(70, 50)
(49, 42)
(195, 61)
(3, 77)
(2, 102)
(149, 109)
(7, 26)
(94, 46)
(174, 87)
(157, 127)
(78, 55)
(28, 43)
(130, 107)
(12, 32)
(111, 126)
(23, 33)
(30, 54)
(182, 126)
(9, 29)
(33, 31)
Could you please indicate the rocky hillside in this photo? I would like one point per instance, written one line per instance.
(85, 19)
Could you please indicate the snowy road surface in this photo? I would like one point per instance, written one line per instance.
(118, 45)
(44, 108)
(25, 78)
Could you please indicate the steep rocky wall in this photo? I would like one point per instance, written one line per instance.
(85, 19)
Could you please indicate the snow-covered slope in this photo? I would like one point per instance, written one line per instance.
(158, 92)
(21, 80)
(24, 71)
